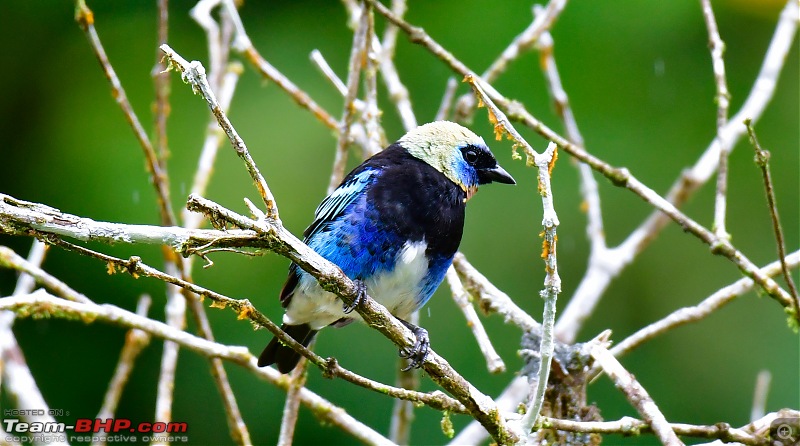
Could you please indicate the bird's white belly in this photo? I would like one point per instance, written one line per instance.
(397, 290)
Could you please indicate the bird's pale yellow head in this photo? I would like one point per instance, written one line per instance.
(457, 152)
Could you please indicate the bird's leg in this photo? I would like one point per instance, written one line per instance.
(361, 296)
(419, 351)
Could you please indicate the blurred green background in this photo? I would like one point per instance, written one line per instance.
(640, 82)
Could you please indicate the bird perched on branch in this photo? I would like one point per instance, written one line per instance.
(393, 226)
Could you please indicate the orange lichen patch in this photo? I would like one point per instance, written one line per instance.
(244, 313)
(84, 16)
(552, 161)
(220, 305)
(111, 268)
(584, 206)
(548, 247)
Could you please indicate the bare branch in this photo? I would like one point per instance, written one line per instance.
(447, 99)
(328, 72)
(543, 21)
(135, 341)
(632, 426)
(159, 178)
(161, 83)
(698, 312)
(18, 381)
(762, 161)
(494, 363)
(349, 113)
(195, 74)
(292, 404)
(717, 47)
(636, 395)
(760, 395)
(263, 233)
(214, 138)
(243, 45)
(490, 298)
(544, 163)
(619, 176)
(10, 259)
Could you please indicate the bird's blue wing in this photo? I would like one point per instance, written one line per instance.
(331, 208)
(334, 204)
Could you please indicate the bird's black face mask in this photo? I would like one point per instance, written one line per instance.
(485, 165)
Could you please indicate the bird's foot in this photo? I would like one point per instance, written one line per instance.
(361, 296)
(419, 351)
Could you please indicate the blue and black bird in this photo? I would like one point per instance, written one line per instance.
(393, 226)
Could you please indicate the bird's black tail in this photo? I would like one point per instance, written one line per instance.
(283, 356)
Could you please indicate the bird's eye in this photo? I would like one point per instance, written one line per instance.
(471, 156)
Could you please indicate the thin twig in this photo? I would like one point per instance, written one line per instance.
(19, 385)
(636, 394)
(717, 47)
(714, 302)
(135, 341)
(17, 379)
(544, 163)
(447, 99)
(403, 410)
(490, 298)
(223, 84)
(494, 363)
(159, 179)
(589, 189)
(195, 74)
(760, 394)
(292, 405)
(632, 426)
(349, 110)
(543, 20)
(244, 45)
(161, 82)
(375, 139)
(398, 93)
(10, 259)
(25, 281)
(156, 163)
(175, 315)
(217, 45)
(211, 144)
(762, 161)
(327, 71)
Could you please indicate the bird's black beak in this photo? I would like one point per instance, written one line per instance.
(494, 174)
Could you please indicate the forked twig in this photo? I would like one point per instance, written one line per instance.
(195, 74)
